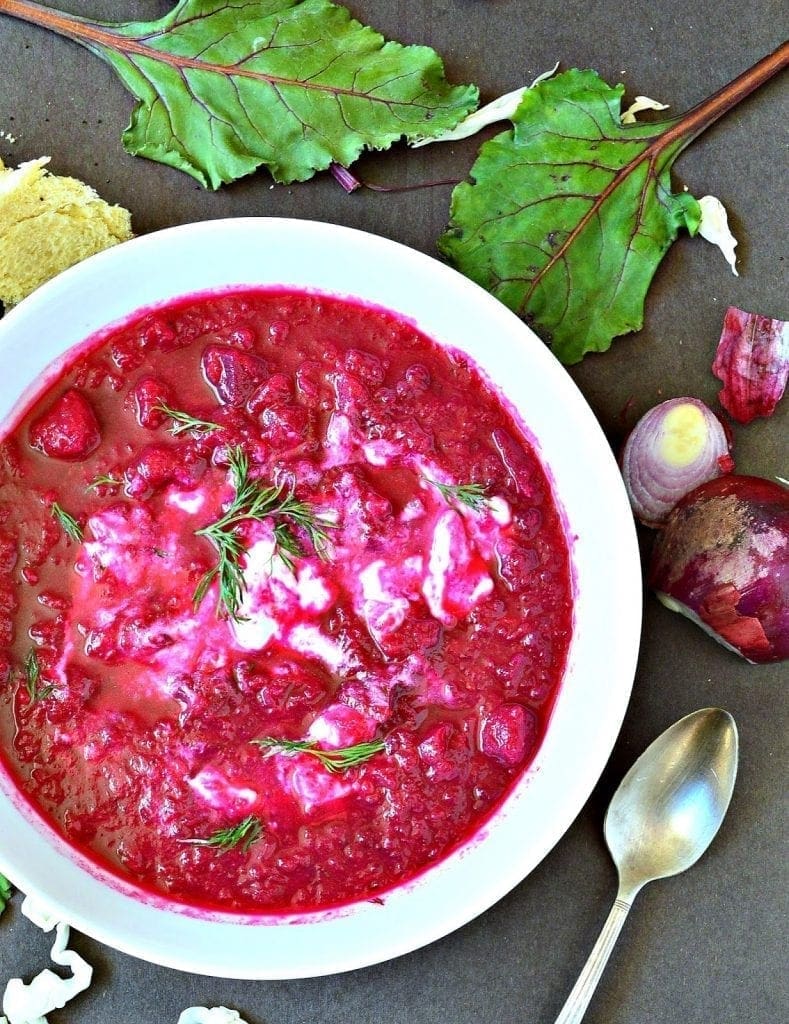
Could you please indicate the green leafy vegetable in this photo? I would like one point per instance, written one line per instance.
(568, 215)
(472, 495)
(5, 892)
(223, 86)
(334, 761)
(68, 523)
(35, 690)
(255, 502)
(182, 422)
(242, 835)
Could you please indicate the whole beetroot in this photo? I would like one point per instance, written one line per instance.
(722, 559)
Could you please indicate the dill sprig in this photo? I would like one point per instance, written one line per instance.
(182, 421)
(254, 502)
(68, 523)
(35, 690)
(472, 495)
(243, 835)
(286, 545)
(103, 481)
(334, 760)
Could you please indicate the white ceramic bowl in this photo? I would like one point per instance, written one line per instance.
(595, 691)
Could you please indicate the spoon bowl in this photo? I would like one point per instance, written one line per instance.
(661, 819)
(671, 803)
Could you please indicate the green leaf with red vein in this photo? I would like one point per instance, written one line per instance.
(568, 215)
(224, 87)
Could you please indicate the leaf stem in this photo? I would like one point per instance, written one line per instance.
(95, 35)
(345, 177)
(706, 113)
(681, 131)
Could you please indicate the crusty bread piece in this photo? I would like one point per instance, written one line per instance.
(48, 223)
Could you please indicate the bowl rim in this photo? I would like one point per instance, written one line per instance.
(176, 937)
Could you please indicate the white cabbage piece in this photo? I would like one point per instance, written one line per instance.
(204, 1015)
(41, 916)
(501, 109)
(714, 227)
(641, 103)
(29, 1004)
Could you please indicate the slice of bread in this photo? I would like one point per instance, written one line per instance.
(48, 223)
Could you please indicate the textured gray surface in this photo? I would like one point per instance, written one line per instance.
(706, 946)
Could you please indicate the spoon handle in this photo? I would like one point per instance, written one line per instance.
(583, 990)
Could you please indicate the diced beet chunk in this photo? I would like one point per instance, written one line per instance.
(277, 390)
(232, 373)
(158, 465)
(68, 429)
(149, 395)
(415, 636)
(445, 754)
(285, 424)
(508, 734)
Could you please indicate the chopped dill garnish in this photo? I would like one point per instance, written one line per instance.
(255, 502)
(68, 523)
(334, 760)
(286, 545)
(243, 835)
(103, 481)
(35, 690)
(182, 421)
(472, 495)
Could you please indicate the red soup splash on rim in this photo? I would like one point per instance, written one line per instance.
(285, 601)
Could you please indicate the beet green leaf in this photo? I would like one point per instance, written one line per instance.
(569, 213)
(223, 86)
(568, 216)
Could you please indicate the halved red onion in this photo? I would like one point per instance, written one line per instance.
(673, 448)
(752, 360)
(722, 559)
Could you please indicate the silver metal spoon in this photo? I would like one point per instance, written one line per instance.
(661, 819)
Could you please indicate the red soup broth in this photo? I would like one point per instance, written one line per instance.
(392, 621)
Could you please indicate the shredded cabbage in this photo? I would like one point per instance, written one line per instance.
(641, 103)
(204, 1015)
(501, 109)
(714, 227)
(36, 912)
(29, 1004)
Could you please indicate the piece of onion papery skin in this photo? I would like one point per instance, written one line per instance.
(673, 448)
(752, 360)
(722, 560)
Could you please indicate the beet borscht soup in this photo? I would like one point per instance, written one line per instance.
(285, 600)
